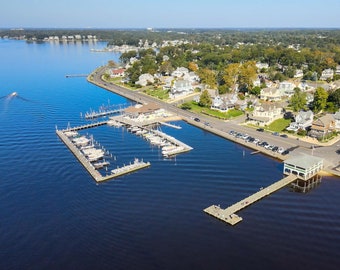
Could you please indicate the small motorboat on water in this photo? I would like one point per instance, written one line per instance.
(13, 94)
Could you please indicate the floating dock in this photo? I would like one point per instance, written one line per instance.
(228, 215)
(97, 176)
(96, 124)
(75, 75)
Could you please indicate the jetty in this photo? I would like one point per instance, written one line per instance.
(170, 125)
(228, 215)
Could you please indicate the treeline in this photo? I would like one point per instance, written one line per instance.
(322, 39)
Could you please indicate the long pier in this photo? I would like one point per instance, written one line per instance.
(228, 215)
(96, 124)
(92, 115)
(75, 75)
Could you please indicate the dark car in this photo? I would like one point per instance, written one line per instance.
(285, 152)
(284, 135)
(275, 148)
(276, 134)
(260, 129)
(197, 119)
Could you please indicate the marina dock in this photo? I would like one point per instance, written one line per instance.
(75, 75)
(228, 215)
(92, 170)
(96, 124)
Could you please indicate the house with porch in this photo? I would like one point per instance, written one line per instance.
(286, 88)
(181, 88)
(116, 72)
(145, 79)
(270, 94)
(265, 113)
(322, 126)
(303, 120)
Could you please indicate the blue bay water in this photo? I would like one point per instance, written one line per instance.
(54, 216)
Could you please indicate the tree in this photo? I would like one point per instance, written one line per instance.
(192, 66)
(247, 75)
(334, 97)
(255, 91)
(298, 100)
(230, 76)
(320, 99)
(205, 99)
(208, 77)
(111, 63)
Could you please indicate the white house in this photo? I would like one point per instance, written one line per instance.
(286, 88)
(270, 94)
(298, 73)
(260, 65)
(181, 88)
(144, 79)
(180, 72)
(327, 74)
(224, 103)
(265, 113)
(192, 77)
(303, 120)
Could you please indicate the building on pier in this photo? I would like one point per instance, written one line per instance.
(303, 166)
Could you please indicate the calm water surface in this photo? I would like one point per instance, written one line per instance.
(54, 216)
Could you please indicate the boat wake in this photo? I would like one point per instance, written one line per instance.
(15, 95)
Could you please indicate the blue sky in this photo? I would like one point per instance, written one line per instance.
(170, 13)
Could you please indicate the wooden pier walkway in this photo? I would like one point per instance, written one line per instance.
(228, 215)
(92, 115)
(97, 124)
(170, 125)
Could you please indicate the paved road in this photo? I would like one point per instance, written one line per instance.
(328, 153)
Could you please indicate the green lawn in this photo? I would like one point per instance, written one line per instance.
(227, 115)
(279, 125)
(158, 93)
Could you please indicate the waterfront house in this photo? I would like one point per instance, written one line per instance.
(322, 126)
(327, 74)
(270, 94)
(116, 72)
(224, 103)
(265, 113)
(181, 88)
(145, 79)
(303, 120)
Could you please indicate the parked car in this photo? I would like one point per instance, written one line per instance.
(284, 135)
(197, 119)
(285, 152)
(275, 148)
(276, 134)
(260, 129)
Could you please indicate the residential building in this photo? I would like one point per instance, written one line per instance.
(337, 120)
(181, 88)
(145, 79)
(265, 113)
(327, 74)
(322, 126)
(116, 72)
(286, 88)
(303, 120)
(270, 94)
